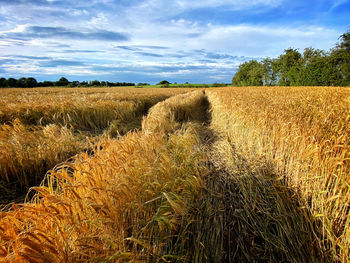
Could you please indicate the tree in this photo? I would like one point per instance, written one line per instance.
(340, 59)
(95, 83)
(62, 82)
(30, 82)
(315, 69)
(11, 82)
(249, 74)
(288, 67)
(164, 82)
(74, 83)
(46, 84)
(344, 41)
(3, 82)
(21, 83)
(268, 74)
(83, 84)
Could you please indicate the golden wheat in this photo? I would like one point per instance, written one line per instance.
(43, 127)
(304, 134)
(123, 203)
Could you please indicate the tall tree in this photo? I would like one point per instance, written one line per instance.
(340, 59)
(62, 82)
(31, 82)
(3, 82)
(288, 66)
(268, 73)
(11, 82)
(249, 74)
(21, 83)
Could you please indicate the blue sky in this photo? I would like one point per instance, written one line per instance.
(151, 40)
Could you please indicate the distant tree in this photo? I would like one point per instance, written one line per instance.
(95, 83)
(21, 83)
(46, 83)
(62, 82)
(11, 82)
(164, 82)
(74, 83)
(83, 84)
(30, 82)
(3, 82)
(143, 84)
(103, 83)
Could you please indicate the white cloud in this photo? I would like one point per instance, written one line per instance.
(17, 29)
(100, 20)
(249, 40)
(233, 4)
(154, 23)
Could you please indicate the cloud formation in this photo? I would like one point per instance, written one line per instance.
(149, 40)
(37, 32)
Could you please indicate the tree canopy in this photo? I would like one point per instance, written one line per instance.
(32, 82)
(313, 67)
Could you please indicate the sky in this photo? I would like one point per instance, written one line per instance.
(180, 41)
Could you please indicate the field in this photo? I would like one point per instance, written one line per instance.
(248, 174)
(40, 128)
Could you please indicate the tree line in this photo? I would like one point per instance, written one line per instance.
(32, 82)
(313, 67)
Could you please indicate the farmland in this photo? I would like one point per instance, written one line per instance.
(43, 127)
(234, 174)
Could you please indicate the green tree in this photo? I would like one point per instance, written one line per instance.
(268, 73)
(288, 68)
(83, 84)
(62, 82)
(11, 82)
(315, 68)
(74, 83)
(164, 82)
(47, 84)
(340, 59)
(30, 82)
(3, 82)
(249, 74)
(21, 83)
(95, 83)
(345, 41)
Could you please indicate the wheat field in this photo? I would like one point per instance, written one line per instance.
(42, 127)
(248, 174)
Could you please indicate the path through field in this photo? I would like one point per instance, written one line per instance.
(176, 191)
(245, 213)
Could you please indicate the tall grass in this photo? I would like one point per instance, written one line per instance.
(42, 127)
(26, 153)
(125, 203)
(304, 134)
(81, 109)
(181, 191)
